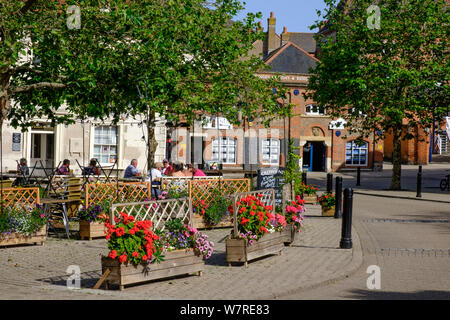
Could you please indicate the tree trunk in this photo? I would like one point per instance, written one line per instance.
(397, 161)
(152, 144)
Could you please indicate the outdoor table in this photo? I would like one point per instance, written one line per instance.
(63, 202)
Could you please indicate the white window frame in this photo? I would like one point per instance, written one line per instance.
(213, 122)
(224, 145)
(318, 112)
(112, 143)
(354, 147)
(272, 149)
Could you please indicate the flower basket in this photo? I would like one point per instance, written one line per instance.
(19, 238)
(94, 229)
(239, 250)
(175, 263)
(328, 202)
(327, 212)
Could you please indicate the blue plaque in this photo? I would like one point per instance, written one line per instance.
(338, 133)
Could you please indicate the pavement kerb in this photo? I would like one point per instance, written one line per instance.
(352, 267)
(397, 197)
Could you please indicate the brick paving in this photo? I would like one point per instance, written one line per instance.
(39, 272)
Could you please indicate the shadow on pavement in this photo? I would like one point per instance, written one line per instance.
(392, 295)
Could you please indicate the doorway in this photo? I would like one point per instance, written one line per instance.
(42, 149)
(314, 156)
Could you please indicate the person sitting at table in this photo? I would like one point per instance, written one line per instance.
(155, 172)
(156, 176)
(23, 171)
(195, 171)
(168, 167)
(64, 169)
(92, 169)
(131, 171)
(178, 170)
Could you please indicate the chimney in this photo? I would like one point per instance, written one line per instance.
(284, 37)
(272, 42)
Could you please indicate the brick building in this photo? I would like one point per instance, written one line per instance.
(323, 144)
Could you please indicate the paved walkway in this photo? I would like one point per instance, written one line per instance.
(39, 272)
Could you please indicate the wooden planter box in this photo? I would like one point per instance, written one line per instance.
(199, 223)
(290, 234)
(310, 199)
(175, 263)
(18, 238)
(327, 212)
(238, 250)
(89, 230)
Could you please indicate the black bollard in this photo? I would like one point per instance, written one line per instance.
(419, 183)
(338, 206)
(329, 182)
(358, 176)
(346, 239)
(304, 177)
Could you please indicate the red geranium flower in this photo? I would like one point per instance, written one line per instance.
(123, 258)
(112, 254)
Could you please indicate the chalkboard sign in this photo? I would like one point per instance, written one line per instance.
(272, 178)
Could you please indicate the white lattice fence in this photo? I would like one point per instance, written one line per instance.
(157, 211)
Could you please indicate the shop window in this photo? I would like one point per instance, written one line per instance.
(314, 109)
(105, 144)
(224, 150)
(271, 151)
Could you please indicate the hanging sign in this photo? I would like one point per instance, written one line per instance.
(16, 141)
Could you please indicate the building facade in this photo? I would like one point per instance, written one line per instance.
(322, 142)
(48, 146)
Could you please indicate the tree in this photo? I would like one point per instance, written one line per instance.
(383, 76)
(186, 56)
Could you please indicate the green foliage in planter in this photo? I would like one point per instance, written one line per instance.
(217, 209)
(24, 221)
(293, 174)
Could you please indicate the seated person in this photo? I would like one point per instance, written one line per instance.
(92, 169)
(156, 176)
(131, 171)
(178, 170)
(64, 169)
(167, 168)
(195, 171)
(23, 171)
(155, 173)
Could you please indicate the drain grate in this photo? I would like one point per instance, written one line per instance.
(408, 220)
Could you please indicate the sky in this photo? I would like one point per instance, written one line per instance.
(296, 15)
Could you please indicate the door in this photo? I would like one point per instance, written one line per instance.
(42, 149)
(308, 150)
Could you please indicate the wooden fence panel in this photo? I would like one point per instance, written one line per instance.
(22, 197)
(157, 211)
(203, 190)
(117, 192)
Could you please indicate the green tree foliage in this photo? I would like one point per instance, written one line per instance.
(390, 77)
(184, 55)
